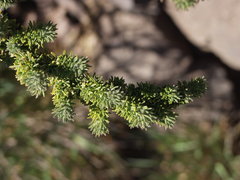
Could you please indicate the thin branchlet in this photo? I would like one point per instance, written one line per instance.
(185, 4)
(141, 105)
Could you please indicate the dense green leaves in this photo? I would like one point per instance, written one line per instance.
(74, 65)
(185, 4)
(28, 75)
(140, 105)
(4, 4)
(99, 93)
(99, 120)
(38, 34)
(137, 115)
(62, 99)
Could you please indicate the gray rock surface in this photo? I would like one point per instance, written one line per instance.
(214, 26)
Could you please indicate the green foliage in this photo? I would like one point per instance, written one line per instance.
(4, 4)
(185, 4)
(38, 34)
(141, 105)
(62, 99)
(99, 122)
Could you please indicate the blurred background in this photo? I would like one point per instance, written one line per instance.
(139, 40)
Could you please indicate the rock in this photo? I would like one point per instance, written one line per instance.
(137, 53)
(214, 26)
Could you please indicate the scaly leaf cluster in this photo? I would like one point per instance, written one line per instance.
(185, 4)
(140, 104)
(4, 4)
